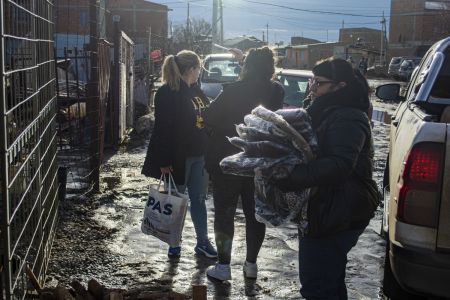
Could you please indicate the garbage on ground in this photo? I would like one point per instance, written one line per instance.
(272, 144)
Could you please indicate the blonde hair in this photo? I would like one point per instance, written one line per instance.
(175, 66)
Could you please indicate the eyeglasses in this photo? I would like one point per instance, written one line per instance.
(316, 83)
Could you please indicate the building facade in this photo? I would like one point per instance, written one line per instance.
(417, 24)
(361, 37)
(145, 22)
(306, 56)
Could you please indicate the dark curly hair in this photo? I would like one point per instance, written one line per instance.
(259, 64)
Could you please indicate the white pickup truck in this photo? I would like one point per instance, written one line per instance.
(416, 219)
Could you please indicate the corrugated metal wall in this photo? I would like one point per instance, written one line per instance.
(28, 143)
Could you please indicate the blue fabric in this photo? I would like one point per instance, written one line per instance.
(322, 264)
(196, 182)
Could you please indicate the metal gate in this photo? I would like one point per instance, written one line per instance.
(83, 75)
(121, 110)
(28, 169)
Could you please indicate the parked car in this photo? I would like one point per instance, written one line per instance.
(394, 65)
(396, 62)
(416, 217)
(218, 69)
(295, 84)
(407, 67)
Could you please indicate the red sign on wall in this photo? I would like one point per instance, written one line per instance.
(156, 54)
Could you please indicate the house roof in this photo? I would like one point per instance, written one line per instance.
(317, 44)
(240, 39)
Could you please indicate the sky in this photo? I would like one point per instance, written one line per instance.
(317, 19)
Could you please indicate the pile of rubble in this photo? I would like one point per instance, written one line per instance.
(96, 291)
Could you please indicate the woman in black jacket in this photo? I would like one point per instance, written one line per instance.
(346, 195)
(255, 87)
(178, 142)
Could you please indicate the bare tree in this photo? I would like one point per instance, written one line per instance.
(196, 36)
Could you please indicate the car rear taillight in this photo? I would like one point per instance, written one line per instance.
(419, 185)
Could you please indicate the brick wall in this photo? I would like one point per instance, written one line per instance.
(137, 16)
(412, 25)
(369, 38)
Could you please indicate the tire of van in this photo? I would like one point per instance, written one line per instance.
(391, 289)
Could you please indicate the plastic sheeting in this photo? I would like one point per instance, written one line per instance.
(272, 144)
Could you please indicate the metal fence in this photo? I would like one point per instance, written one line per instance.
(82, 104)
(28, 143)
(83, 73)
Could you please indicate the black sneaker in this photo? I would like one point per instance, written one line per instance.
(205, 248)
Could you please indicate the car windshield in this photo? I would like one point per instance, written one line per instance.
(396, 61)
(295, 89)
(220, 70)
(407, 63)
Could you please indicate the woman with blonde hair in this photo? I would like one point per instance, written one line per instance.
(178, 141)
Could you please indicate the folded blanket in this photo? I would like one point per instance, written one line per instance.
(272, 144)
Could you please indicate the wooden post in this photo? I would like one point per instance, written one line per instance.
(34, 281)
(199, 292)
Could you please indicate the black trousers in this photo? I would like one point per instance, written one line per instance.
(226, 192)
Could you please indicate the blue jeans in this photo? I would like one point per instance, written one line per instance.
(196, 181)
(322, 264)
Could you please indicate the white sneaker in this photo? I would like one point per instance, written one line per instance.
(250, 270)
(219, 272)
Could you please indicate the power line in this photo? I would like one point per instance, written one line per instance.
(312, 10)
(424, 13)
(289, 20)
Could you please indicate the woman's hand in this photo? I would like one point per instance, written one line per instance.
(166, 170)
(238, 54)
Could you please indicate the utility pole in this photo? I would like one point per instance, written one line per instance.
(188, 26)
(221, 21)
(267, 33)
(217, 28)
(343, 24)
(215, 16)
(383, 29)
(150, 64)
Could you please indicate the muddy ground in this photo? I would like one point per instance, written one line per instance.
(99, 237)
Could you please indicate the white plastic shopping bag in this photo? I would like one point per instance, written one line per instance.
(165, 211)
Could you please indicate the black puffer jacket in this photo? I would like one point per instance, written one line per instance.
(229, 109)
(345, 194)
(178, 131)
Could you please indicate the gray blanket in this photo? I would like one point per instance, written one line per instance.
(272, 144)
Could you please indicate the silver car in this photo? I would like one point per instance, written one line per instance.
(218, 69)
(295, 85)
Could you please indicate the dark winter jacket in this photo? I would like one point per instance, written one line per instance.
(345, 194)
(229, 108)
(178, 131)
